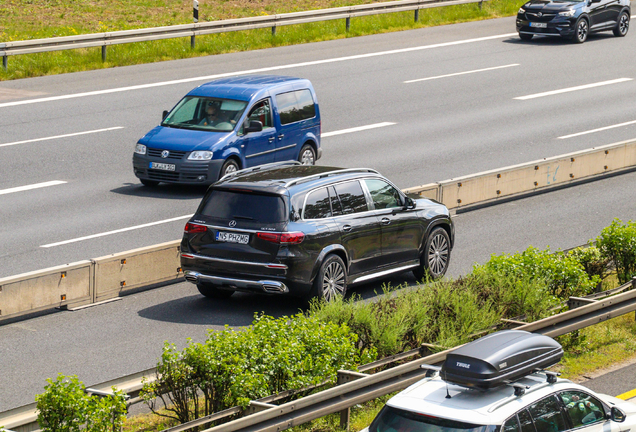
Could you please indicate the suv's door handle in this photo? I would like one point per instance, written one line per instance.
(385, 221)
(271, 139)
(346, 228)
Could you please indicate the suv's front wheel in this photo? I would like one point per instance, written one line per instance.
(436, 257)
(622, 25)
(210, 291)
(331, 280)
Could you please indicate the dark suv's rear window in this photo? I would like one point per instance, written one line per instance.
(222, 204)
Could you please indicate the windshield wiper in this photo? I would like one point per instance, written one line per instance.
(243, 217)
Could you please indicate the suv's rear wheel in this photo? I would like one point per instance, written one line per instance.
(210, 291)
(436, 257)
(331, 280)
(307, 155)
(622, 25)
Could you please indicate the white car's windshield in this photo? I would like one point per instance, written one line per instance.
(205, 113)
(396, 420)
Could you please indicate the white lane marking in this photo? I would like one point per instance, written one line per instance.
(356, 129)
(61, 136)
(571, 89)
(462, 73)
(33, 186)
(260, 70)
(597, 130)
(115, 231)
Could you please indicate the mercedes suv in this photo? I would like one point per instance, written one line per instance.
(310, 231)
(573, 19)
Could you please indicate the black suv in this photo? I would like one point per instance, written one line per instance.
(573, 19)
(310, 231)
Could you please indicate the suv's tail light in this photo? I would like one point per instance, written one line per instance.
(194, 228)
(282, 238)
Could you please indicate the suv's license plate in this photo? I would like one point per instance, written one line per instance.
(162, 166)
(232, 237)
(539, 25)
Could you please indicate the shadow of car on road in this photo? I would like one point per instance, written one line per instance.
(164, 191)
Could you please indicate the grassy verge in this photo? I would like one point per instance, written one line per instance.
(35, 19)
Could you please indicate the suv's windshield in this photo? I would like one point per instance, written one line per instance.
(205, 113)
(396, 420)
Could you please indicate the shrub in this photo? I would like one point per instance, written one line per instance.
(65, 407)
(618, 243)
(593, 262)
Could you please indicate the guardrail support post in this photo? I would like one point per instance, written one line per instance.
(5, 62)
(634, 287)
(273, 30)
(195, 19)
(345, 376)
(103, 53)
(417, 15)
(348, 24)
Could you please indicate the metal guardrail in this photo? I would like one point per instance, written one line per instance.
(103, 40)
(357, 387)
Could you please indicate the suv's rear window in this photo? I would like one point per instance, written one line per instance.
(223, 204)
(396, 420)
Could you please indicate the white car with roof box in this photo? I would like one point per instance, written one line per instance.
(498, 383)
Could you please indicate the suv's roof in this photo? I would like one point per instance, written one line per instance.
(428, 396)
(294, 178)
(242, 87)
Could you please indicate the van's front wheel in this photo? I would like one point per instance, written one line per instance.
(228, 167)
(307, 155)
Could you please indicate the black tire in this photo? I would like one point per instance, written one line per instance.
(331, 280)
(581, 30)
(436, 257)
(525, 36)
(149, 183)
(229, 166)
(622, 25)
(211, 291)
(307, 155)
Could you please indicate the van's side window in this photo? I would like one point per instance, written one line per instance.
(261, 112)
(318, 205)
(295, 106)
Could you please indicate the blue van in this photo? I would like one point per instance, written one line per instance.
(230, 124)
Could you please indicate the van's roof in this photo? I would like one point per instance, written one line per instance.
(243, 87)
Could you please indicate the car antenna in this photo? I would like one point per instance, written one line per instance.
(448, 396)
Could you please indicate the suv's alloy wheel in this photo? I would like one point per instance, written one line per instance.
(331, 280)
(622, 26)
(581, 31)
(436, 256)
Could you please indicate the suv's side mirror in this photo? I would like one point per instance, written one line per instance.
(409, 204)
(617, 415)
(255, 126)
(164, 115)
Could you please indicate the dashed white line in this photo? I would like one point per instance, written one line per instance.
(356, 129)
(79, 239)
(462, 73)
(30, 187)
(597, 130)
(571, 89)
(61, 136)
(260, 70)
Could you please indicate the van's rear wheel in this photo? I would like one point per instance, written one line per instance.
(331, 280)
(210, 291)
(307, 155)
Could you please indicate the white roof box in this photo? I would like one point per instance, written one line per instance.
(500, 358)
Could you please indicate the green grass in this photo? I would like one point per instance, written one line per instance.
(51, 18)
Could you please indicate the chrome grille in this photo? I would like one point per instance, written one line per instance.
(540, 16)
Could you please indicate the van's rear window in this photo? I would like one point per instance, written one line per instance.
(223, 204)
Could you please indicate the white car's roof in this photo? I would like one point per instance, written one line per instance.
(491, 407)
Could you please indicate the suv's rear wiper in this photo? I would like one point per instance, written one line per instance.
(243, 217)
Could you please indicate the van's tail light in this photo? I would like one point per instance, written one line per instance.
(282, 238)
(191, 228)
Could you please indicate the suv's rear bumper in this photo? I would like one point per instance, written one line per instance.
(261, 286)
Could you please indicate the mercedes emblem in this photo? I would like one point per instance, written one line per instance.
(232, 223)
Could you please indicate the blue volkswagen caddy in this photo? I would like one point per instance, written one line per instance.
(231, 124)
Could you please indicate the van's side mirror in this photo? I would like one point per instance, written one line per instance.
(164, 115)
(255, 126)
(617, 415)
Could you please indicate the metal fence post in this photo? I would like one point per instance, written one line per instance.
(103, 53)
(634, 287)
(348, 24)
(273, 30)
(5, 62)
(195, 19)
(417, 15)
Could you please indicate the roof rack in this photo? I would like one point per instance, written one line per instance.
(521, 389)
(329, 173)
(259, 168)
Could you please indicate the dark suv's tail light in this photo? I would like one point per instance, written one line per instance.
(194, 228)
(282, 238)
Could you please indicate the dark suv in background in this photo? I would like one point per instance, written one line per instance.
(573, 19)
(310, 231)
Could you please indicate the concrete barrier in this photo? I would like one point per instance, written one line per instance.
(115, 274)
(68, 285)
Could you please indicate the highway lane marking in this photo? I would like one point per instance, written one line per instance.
(571, 89)
(461, 73)
(260, 70)
(79, 239)
(30, 187)
(61, 136)
(628, 395)
(597, 130)
(356, 129)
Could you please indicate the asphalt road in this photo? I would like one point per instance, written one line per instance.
(464, 118)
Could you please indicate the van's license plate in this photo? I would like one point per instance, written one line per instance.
(232, 237)
(162, 166)
(539, 25)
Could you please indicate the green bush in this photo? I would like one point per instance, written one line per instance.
(562, 273)
(233, 367)
(65, 407)
(593, 261)
(618, 243)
